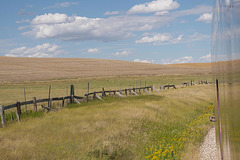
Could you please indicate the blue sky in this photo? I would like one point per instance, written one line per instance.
(160, 31)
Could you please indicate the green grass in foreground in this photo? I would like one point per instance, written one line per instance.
(118, 128)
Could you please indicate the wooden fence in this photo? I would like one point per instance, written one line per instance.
(73, 98)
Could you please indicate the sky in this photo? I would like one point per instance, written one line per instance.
(159, 31)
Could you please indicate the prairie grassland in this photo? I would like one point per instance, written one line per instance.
(117, 128)
(27, 69)
(12, 92)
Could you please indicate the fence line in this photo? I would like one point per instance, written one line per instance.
(74, 98)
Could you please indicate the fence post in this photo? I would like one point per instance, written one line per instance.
(152, 88)
(49, 95)
(18, 108)
(103, 93)
(18, 113)
(50, 103)
(35, 104)
(126, 92)
(63, 102)
(72, 94)
(2, 115)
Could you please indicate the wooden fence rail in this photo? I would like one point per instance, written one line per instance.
(73, 98)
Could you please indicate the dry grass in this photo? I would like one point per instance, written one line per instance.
(117, 128)
(27, 69)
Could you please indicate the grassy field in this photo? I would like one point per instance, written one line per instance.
(12, 92)
(28, 69)
(166, 125)
(118, 128)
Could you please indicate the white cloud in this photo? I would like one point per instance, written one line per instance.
(111, 13)
(23, 21)
(121, 54)
(206, 17)
(187, 59)
(52, 19)
(206, 58)
(62, 5)
(167, 38)
(93, 50)
(114, 28)
(63, 27)
(154, 6)
(177, 40)
(44, 50)
(143, 61)
(161, 37)
(162, 13)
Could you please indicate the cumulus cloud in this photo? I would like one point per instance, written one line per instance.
(161, 37)
(121, 54)
(206, 58)
(187, 59)
(62, 5)
(23, 21)
(111, 13)
(52, 19)
(143, 61)
(154, 6)
(206, 17)
(167, 38)
(93, 50)
(162, 13)
(44, 50)
(113, 28)
(63, 27)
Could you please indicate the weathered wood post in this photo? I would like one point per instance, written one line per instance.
(49, 95)
(35, 104)
(72, 94)
(152, 88)
(103, 93)
(18, 108)
(19, 112)
(94, 95)
(50, 103)
(2, 115)
(63, 102)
